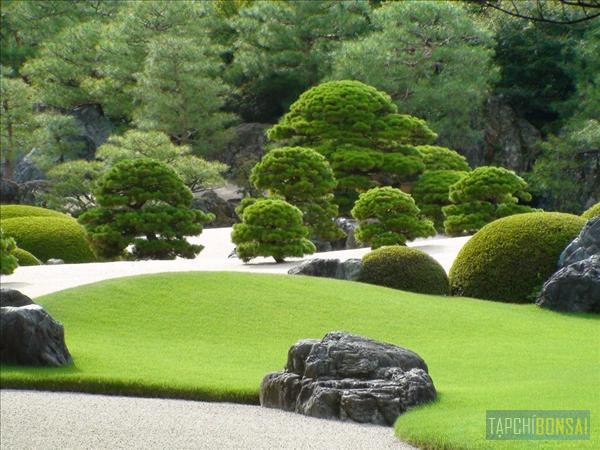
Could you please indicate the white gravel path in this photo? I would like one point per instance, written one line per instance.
(47, 420)
(39, 280)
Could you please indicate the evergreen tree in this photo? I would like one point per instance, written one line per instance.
(442, 158)
(16, 121)
(8, 262)
(302, 177)
(270, 227)
(388, 216)
(283, 48)
(433, 59)
(143, 203)
(482, 196)
(360, 132)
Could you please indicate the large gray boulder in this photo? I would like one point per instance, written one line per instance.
(583, 246)
(329, 268)
(349, 377)
(574, 288)
(28, 334)
(224, 210)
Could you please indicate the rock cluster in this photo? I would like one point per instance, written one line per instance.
(575, 287)
(29, 335)
(349, 377)
(329, 268)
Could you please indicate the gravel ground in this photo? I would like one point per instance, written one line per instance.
(46, 420)
(39, 280)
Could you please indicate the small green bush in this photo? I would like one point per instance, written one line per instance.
(12, 211)
(50, 237)
(442, 158)
(25, 258)
(592, 212)
(270, 227)
(8, 261)
(510, 258)
(388, 216)
(404, 268)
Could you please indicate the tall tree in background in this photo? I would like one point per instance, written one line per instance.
(433, 59)
(16, 120)
(283, 48)
(180, 95)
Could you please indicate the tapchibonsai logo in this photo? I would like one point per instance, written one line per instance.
(537, 425)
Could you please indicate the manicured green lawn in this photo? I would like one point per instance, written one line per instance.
(214, 336)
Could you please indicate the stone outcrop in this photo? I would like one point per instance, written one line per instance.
(583, 246)
(349, 377)
(329, 268)
(224, 210)
(28, 334)
(574, 288)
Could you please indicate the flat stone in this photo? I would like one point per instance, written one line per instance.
(329, 268)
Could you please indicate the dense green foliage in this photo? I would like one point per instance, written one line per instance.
(359, 130)
(388, 216)
(442, 158)
(8, 259)
(12, 211)
(270, 227)
(482, 196)
(25, 258)
(302, 177)
(431, 193)
(593, 211)
(408, 269)
(50, 237)
(510, 258)
(186, 322)
(424, 54)
(144, 203)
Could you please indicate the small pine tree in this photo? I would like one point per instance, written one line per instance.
(302, 177)
(145, 203)
(482, 196)
(431, 193)
(442, 158)
(388, 216)
(270, 227)
(8, 262)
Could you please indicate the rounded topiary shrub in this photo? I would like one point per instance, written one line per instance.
(509, 259)
(404, 268)
(25, 258)
(50, 237)
(592, 212)
(12, 211)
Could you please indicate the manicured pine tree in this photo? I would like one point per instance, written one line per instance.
(304, 178)
(388, 216)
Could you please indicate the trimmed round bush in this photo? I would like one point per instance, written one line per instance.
(509, 259)
(50, 237)
(25, 258)
(404, 268)
(592, 212)
(12, 211)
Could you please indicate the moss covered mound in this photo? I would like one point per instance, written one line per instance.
(12, 211)
(592, 212)
(25, 258)
(404, 268)
(50, 237)
(510, 258)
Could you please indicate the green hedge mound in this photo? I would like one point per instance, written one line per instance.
(25, 258)
(50, 237)
(12, 211)
(592, 212)
(404, 268)
(509, 259)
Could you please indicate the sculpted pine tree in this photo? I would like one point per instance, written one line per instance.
(270, 227)
(8, 262)
(388, 216)
(483, 195)
(144, 203)
(442, 158)
(304, 178)
(359, 130)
